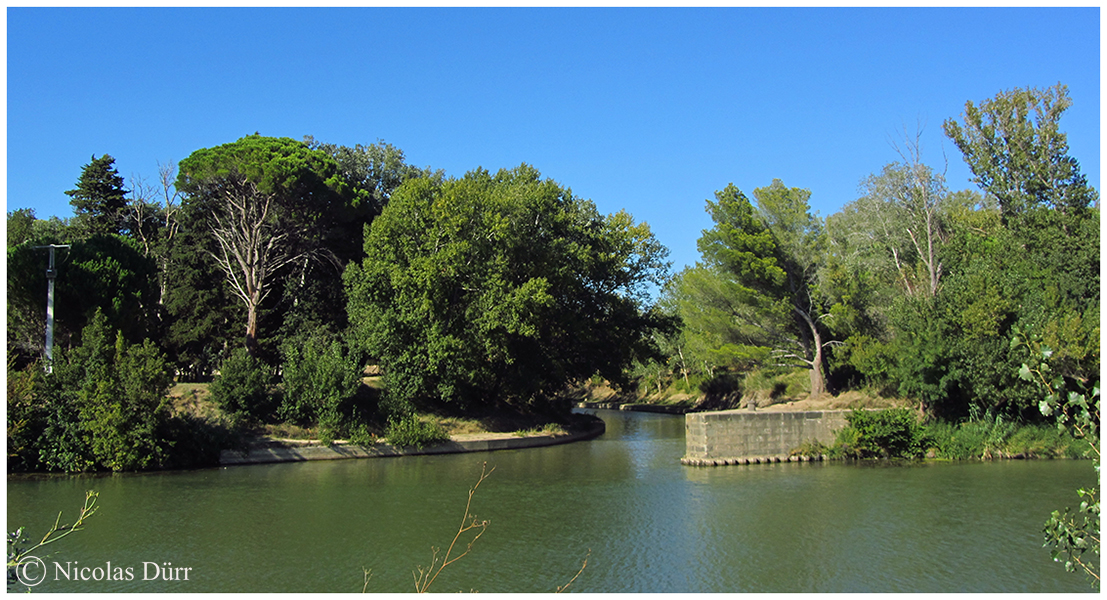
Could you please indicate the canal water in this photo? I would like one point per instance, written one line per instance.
(644, 523)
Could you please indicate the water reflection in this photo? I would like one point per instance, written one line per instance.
(651, 524)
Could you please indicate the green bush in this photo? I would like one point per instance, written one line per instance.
(318, 375)
(104, 405)
(24, 415)
(410, 431)
(242, 387)
(893, 433)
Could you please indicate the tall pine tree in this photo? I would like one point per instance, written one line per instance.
(99, 198)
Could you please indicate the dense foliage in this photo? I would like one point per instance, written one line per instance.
(913, 289)
(104, 406)
(319, 375)
(500, 289)
(756, 290)
(892, 433)
(280, 269)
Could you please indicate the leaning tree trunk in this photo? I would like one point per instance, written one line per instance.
(814, 352)
(818, 384)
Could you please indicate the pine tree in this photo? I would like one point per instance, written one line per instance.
(99, 198)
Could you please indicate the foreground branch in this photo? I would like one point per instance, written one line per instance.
(424, 577)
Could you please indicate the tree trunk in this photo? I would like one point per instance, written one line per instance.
(814, 353)
(252, 329)
(818, 384)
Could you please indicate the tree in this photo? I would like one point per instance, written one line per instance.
(373, 172)
(771, 253)
(266, 202)
(318, 375)
(103, 272)
(314, 296)
(904, 207)
(720, 329)
(20, 226)
(1036, 265)
(99, 198)
(1017, 153)
(500, 288)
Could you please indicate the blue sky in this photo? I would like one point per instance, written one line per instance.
(649, 110)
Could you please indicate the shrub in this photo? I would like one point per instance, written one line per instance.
(410, 431)
(242, 387)
(318, 375)
(893, 433)
(104, 404)
(24, 415)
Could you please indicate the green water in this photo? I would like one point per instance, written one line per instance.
(651, 524)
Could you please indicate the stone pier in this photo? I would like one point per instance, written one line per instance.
(745, 436)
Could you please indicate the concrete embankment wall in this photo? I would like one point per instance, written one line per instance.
(458, 444)
(737, 436)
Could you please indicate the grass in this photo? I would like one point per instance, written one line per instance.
(995, 438)
(983, 439)
(547, 429)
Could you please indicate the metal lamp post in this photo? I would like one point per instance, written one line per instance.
(51, 273)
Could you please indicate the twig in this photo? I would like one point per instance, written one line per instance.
(562, 588)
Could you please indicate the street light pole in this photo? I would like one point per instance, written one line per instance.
(51, 273)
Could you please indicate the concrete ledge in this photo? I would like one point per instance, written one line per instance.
(460, 443)
(748, 460)
(654, 408)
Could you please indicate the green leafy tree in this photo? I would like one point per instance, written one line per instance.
(372, 172)
(501, 287)
(24, 415)
(318, 374)
(314, 296)
(99, 199)
(265, 202)
(1017, 152)
(771, 253)
(103, 272)
(20, 226)
(719, 329)
(242, 387)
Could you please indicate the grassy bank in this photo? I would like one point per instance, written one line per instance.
(194, 399)
(898, 433)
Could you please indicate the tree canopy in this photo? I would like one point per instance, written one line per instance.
(500, 288)
(266, 203)
(769, 256)
(1015, 148)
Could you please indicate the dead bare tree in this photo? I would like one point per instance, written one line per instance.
(253, 246)
(922, 198)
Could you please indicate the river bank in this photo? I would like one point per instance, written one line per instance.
(273, 450)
